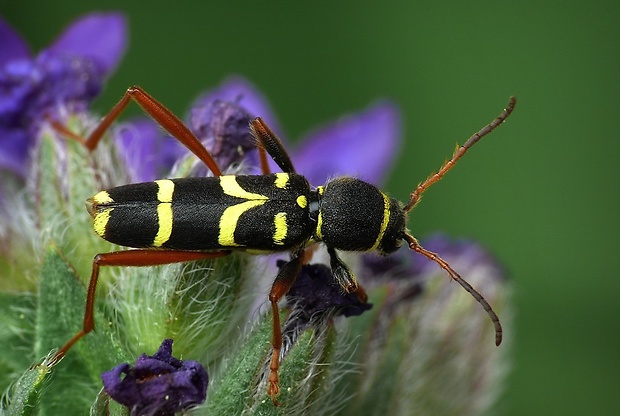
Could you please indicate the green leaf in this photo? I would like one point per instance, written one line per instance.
(208, 306)
(103, 406)
(48, 196)
(354, 346)
(295, 369)
(65, 178)
(234, 390)
(24, 395)
(17, 316)
(326, 371)
(386, 378)
(60, 315)
(199, 304)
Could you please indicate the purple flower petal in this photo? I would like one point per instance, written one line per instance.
(148, 152)
(14, 145)
(221, 116)
(13, 46)
(160, 384)
(316, 294)
(100, 36)
(362, 145)
(241, 92)
(67, 75)
(223, 127)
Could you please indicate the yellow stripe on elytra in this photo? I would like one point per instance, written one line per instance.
(281, 180)
(230, 218)
(164, 211)
(100, 221)
(165, 190)
(102, 198)
(384, 223)
(164, 218)
(281, 228)
(231, 187)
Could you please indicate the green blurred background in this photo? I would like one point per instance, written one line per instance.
(539, 192)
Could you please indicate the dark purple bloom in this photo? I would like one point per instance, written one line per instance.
(239, 91)
(64, 77)
(220, 118)
(316, 295)
(157, 385)
(223, 127)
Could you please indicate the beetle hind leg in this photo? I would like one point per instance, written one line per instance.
(128, 258)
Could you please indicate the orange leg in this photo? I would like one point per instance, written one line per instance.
(158, 112)
(281, 285)
(142, 257)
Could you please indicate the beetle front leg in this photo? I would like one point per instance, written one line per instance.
(345, 277)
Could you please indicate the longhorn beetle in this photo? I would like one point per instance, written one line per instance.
(180, 220)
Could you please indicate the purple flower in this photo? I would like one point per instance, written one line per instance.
(66, 76)
(239, 91)
(362, 144)
(157, 385)
(223, 127)
(316, 295)
(148, 152)
(220, 118)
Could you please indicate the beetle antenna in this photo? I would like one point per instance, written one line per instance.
(415, 246)
(460, 151)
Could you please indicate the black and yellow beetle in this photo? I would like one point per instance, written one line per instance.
(179, 220)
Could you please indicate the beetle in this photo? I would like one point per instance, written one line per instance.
(187, 219)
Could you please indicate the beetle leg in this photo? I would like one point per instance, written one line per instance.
(343, 275)
(158, 112)
(142, 257)
(281, 285)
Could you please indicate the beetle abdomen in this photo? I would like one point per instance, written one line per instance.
(266, 212)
